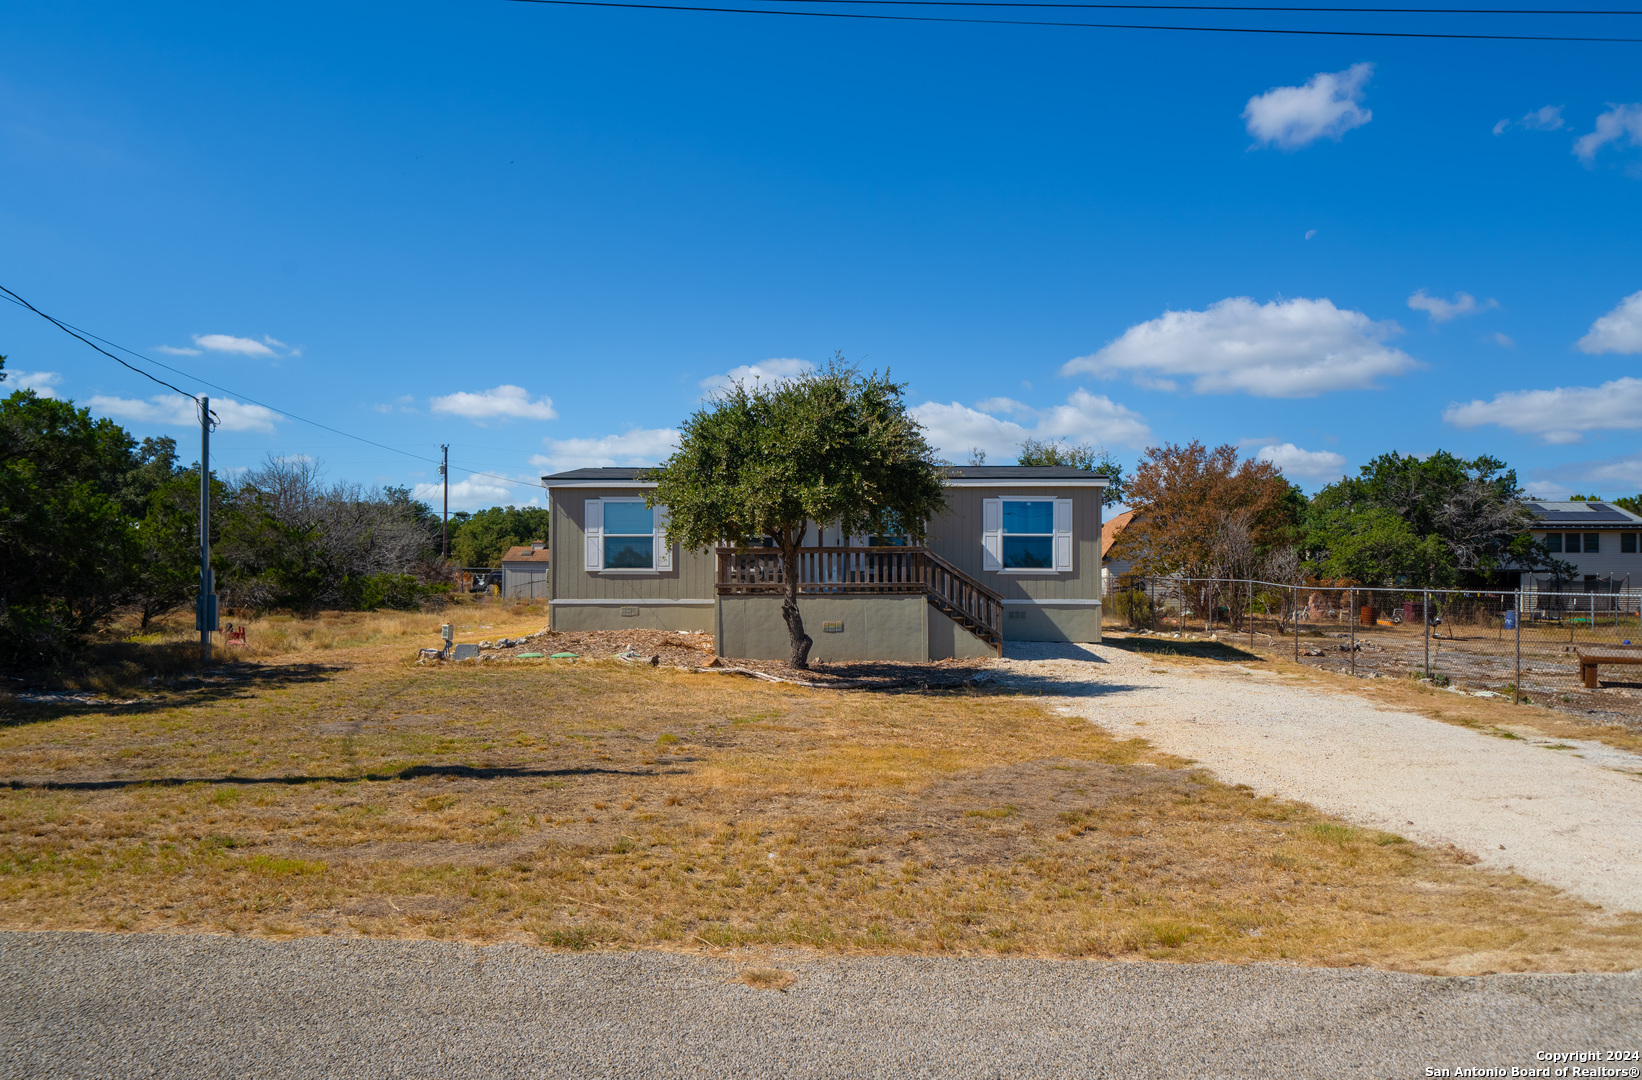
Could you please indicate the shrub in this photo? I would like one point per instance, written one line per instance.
(1133, 606)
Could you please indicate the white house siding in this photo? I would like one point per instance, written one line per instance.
(1607, 560)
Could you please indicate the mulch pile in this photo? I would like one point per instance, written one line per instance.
(695, 651)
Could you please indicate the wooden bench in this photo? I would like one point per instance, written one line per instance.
(1592, 655)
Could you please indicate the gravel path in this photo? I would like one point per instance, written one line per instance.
(1571, 817)
(160, 1005)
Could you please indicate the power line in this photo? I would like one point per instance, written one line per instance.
(18, 300)
(1082, 25)
(91, 339)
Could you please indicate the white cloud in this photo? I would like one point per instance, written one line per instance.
(1285, 348)
(228, 343)
(1558, 416)
(177, 350)
(171, 410)
(1548, 118)
(475, 493)
(1442, 310)
(1310, 233)
(953, 429)
(1504, 341)
(1325, 107)
(1622, 474)
(1313, 464)
(41, 382)
(1619, 331)
(502, 402)
(638, 446)
(1620, 124)
(761, 373)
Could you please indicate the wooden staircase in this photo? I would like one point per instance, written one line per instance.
(842, 571)
(965, 601)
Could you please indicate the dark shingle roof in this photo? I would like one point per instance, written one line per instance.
(1002, 473)
(594, 474)
(1019, 472)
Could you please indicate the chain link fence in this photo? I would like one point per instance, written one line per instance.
(1537, 646)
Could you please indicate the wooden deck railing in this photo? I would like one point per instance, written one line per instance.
(843, 571)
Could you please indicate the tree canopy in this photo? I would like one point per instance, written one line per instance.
(831, 447)
(482, 538)
(1078, 456)
(1202, 512)
(1432, 521)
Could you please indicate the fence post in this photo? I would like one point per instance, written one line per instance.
(1351, 613)
(1518, 683)
(1296, 617)
(1249, 615)
(1425, 617)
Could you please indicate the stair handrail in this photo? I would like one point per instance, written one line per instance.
(942, 582)
(985, 605)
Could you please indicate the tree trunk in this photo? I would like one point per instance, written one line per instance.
(801, 641)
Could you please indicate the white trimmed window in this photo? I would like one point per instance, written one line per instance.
(1026, 535)
(624, 534)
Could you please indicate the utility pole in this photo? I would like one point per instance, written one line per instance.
(206, 610)
(444, 474)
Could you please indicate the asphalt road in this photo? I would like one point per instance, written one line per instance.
(159, 1005)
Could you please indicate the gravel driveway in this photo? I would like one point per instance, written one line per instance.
(1568, 817)
(135, 1005)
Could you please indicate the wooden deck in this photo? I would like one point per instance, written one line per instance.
(868, 571)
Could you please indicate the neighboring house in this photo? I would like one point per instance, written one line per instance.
(524, 571)
(1113, 570)
(1016, 555)
(1599, 539)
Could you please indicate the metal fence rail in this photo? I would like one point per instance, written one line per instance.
(1535, 645)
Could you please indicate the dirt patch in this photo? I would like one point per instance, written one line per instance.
(692, 650)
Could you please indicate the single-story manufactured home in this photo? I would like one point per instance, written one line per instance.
(1015, 556)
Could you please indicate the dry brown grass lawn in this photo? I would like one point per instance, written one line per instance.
(348, 791)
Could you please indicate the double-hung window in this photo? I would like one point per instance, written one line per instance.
(624, 534)
(1026, 535)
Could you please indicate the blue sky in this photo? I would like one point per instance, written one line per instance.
(541, 233)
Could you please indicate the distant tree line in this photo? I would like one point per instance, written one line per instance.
(1432, 522)
(94, 523)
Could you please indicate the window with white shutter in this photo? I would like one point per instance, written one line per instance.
(1027, 535)
(630, 535)
(593, 529)
(1063, 535)
(992, 534)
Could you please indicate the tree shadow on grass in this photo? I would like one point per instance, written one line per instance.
(220, 684)
(414, 772)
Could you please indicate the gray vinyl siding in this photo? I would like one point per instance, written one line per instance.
(1605, 561)
(956, 537)
(690, 579)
